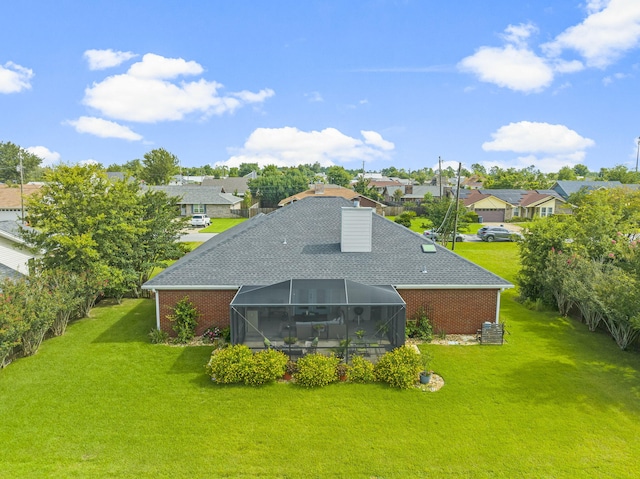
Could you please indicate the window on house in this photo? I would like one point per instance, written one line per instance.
(198, 209)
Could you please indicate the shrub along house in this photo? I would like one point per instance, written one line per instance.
(323, 273)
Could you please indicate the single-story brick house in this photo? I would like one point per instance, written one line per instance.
(203, 199)
(323, 268)
(503, 204)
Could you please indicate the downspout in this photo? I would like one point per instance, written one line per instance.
(498, 307)
(157, 309)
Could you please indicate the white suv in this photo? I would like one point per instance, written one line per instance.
(200, 220)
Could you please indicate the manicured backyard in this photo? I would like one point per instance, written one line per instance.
(101, 401)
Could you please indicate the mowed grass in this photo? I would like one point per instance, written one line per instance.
(556, 401)
(218, 225)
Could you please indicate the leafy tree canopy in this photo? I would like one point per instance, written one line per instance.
(10, 156)
(159, 166)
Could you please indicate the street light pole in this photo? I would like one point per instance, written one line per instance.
(637, 154)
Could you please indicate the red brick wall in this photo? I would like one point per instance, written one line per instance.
(456, 311)
(213, 307)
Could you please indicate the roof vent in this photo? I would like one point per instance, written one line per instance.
(357, 229)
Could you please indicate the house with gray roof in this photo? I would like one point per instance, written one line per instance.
(195, 199)
(322, 270)
(235, 185)
(566, 188)
(503, 204)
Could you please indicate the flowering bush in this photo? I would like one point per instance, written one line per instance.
(316, 370)
(399, 368)
(211, 334)
(360, 371)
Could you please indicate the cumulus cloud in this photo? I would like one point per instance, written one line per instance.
(527, 136)
(610, 30)
(511, 67)
(290, 146)
(548, 146)
(145, 93)
(48, 157)
(101, 59)
(103, 128)
(14, 78)
(375, 139)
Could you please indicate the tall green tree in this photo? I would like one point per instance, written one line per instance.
(159, 166)
(337, 175)
(107, 231)
(10, 156)
(274, 185)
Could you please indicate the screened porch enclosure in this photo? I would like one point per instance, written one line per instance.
(324, 315)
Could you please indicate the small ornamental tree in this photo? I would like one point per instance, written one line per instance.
(184, 319)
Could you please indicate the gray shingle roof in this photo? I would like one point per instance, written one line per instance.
(566, 187)
(254, 253)
(199, 195)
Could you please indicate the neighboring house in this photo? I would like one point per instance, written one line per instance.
(322, 268)
(11, 201)
(502, 205)
(203, 199)
(566, 188)
(320, 189)
(474, 182)
(234, 185)
(414, 193)
(14, 260)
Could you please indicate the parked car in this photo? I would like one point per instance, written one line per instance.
(435, 236)
(200, 220)
(497, 233)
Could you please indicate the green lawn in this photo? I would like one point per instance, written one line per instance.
(218, 225)
(555, 402)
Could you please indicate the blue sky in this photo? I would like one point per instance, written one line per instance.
(513, 84)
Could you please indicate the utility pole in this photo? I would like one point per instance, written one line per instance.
(637, 154)
(440, 175)
(455, 221)
(21, 189)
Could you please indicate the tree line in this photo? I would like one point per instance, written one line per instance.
(589, 261)
(93, 237)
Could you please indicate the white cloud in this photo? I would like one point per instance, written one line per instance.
(104, 128)
(530, 137)
(289, 146)
(156, 66)
(88, 162)
(250, 97)
(518, 34)
(145, 94)
(375, 139)
(48, 157)
(14, 78)
(610, 30)
(608, 80)
(516, 68)
(549, 147)
(101, 59)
